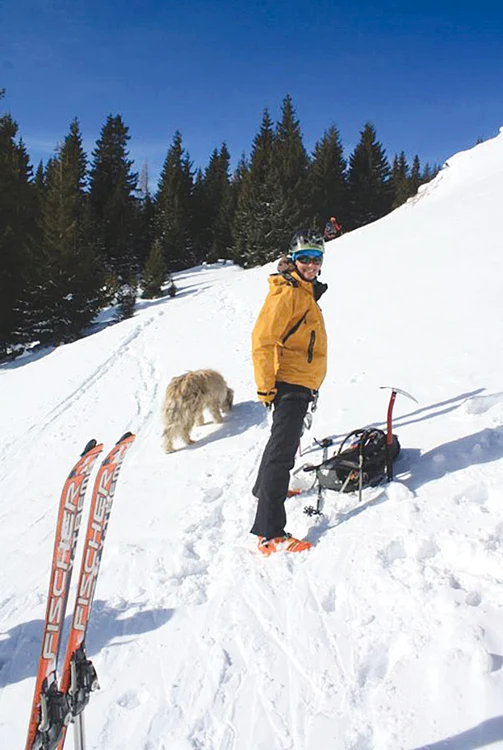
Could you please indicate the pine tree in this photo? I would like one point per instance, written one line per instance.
(39, 185)
(415, 176)
(235, 188)
(256, 216)
(17, 237)
(400, 181)
(215, 206)
(70, 280)
(368, 180)
(428, 173)
(201, 219)
(112, 200)
(327, 178)
(174, 208)
(40, 177)
(222, 225)
(154, 272)
(145, 217)
(291, 163)
(126, 298)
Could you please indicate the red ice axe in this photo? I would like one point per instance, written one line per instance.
(389, 427)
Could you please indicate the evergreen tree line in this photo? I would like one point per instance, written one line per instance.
(82, 233)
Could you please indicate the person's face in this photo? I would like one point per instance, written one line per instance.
(308, 266)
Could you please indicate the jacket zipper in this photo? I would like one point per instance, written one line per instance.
(311, 347)
(293, 329)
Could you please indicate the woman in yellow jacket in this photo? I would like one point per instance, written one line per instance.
(289, 349)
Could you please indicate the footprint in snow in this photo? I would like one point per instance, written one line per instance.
(473, 598)
(374, 667)
(427, 549)
(454, 583)
(328, 601)
(212, 494)
(475, 493)
(480, 404)
(394, 551)
(132, 699)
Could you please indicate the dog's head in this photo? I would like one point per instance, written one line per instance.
(229, 399)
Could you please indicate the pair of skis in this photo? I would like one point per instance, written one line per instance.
(56, 704)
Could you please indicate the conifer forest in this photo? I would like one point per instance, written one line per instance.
(84, 231)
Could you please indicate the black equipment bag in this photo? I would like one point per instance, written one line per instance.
(364, 450)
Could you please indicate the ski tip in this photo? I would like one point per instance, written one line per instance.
(91, 444)
(126, 436)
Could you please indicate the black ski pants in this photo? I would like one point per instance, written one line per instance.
(271, 486)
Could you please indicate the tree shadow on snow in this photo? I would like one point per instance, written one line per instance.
(481, 448)
(20, 650)
(484, 734)
(104, 320)
(27, 358)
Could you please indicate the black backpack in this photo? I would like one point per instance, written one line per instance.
(359, 462)
(364, 459)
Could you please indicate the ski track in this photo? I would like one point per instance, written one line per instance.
(86, 388)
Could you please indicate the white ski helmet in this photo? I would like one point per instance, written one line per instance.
(306, 242)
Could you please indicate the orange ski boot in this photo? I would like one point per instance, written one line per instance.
(286, 543)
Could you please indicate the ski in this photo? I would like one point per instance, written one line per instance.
(49, 708)
(78, 677)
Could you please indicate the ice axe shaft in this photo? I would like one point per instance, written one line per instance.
(389, 426)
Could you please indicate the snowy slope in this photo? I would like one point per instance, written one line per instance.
(388, 635)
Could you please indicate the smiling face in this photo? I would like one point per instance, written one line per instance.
(308, 266)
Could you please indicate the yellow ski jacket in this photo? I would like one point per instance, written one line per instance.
(289, 341)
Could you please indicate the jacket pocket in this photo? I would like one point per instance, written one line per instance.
(310, 348)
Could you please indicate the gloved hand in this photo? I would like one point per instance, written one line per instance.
(267, 398)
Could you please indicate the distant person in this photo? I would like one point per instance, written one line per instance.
(332, 229)
(289, 350)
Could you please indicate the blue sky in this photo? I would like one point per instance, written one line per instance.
(427, 74)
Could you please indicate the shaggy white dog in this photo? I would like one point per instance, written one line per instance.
(187, 396)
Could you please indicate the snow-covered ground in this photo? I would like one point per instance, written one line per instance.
(388, 634)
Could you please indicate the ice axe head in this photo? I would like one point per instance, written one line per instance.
(395, 390)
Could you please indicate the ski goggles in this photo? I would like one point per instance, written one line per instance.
(308, 257)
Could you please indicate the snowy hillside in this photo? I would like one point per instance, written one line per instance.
(388, 634)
